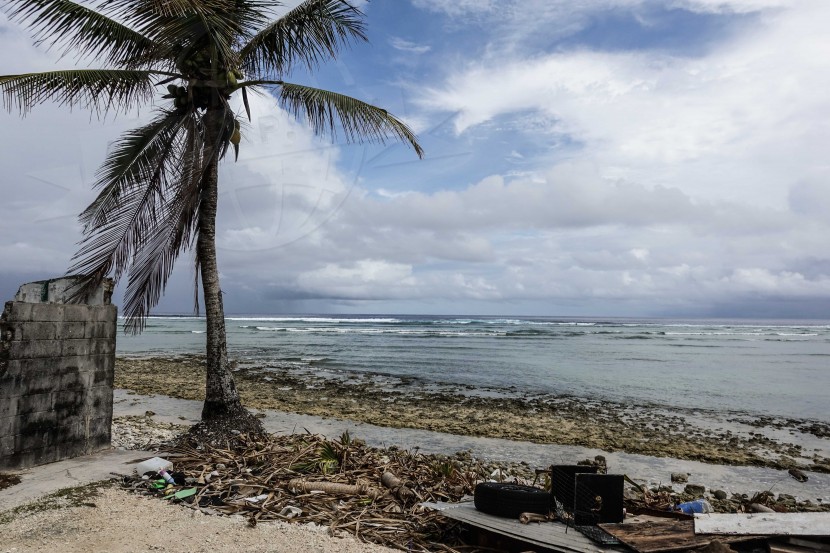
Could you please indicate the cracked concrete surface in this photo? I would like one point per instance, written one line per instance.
(42, 480)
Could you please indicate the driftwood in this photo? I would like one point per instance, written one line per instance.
(758, 508)
(300, 485)
(527, 518)
(397, 486)
(339, 484)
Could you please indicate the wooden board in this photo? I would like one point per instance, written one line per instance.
(811, 544)
(798, 545)
(663, 535)
(550, 535)
(773, 524)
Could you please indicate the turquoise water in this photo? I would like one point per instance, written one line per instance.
(777, 368)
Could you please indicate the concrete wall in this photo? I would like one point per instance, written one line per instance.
(56, 371)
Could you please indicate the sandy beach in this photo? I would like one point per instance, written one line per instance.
(560, 420)
(104, 518)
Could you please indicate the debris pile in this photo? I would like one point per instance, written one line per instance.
(340, 484)
(665, 498)
(377, 494)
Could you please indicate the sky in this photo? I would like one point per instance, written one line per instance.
(628, 158)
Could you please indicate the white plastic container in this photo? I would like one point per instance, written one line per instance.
(155, 464)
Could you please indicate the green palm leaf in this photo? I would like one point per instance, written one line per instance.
(100, 90)
(313, 31)
(110, 246)
(158, 188)
(184, 27)
(323, 110)
(131, 163)
(71, 26)
(172, 232)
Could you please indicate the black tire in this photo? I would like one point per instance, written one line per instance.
(510, 500)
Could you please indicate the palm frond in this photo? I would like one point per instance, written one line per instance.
(101, 90)
(136, 209)
(188, 26)
(323, 110)
(313, 31)
(72, 26)
(131, 162)
(172, 233)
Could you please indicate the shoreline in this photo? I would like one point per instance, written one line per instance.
(653, 431)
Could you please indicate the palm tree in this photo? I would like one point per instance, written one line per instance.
(158, 187)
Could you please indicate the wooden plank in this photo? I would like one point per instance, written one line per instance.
(783, 548)
(772, 524)
(551, 535)
(663, 535)
(812, 545)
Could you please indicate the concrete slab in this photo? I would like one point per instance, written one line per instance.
(38, 481)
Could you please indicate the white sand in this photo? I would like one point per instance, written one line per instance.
(121, 522)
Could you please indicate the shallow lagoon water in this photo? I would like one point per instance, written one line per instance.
(715, 373)
(761, 368)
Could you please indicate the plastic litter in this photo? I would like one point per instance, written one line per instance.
(154, 464)
(291, 512)
(167, 478)
(697, 506)
(257, 499)
(182, 494)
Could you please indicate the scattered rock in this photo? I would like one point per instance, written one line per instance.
(798, 475)
(400, 403)
(145, 433)
(679, 477)
(715, 546)
(694, 489)
(720, 494)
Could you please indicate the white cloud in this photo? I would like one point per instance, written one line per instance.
(363, 279)
(408, 46)
(697, 180)
(457, 7)
(743, 122)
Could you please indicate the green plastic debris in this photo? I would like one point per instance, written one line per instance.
(182, 494)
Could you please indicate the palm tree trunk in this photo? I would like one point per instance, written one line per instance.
(221, 395)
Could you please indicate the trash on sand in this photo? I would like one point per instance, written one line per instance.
(696, 506)
(257, 499)
(182, 494)
(167, 478)
(154, 464)
(158, 484)
(290, 512)
(289, 469)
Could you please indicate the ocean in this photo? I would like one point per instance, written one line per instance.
(761, 368)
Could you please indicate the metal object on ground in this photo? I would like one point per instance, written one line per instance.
(598, 498)
(563, 482)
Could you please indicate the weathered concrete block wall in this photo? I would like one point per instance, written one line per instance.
(56, 373)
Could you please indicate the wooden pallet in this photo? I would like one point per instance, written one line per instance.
(665, 535)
